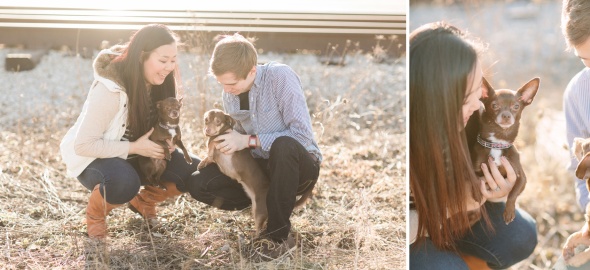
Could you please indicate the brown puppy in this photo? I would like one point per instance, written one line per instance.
(166, 129)
(499, 123)
(239, 165)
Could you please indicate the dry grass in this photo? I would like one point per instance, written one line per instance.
(525, 41)
(356, 219)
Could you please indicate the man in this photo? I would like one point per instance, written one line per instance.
(272, 119)
(575, 23)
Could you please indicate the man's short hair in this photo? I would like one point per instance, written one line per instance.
(235, 54)
(575, 22)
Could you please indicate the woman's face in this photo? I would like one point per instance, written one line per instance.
(473, 94)
(159, 64)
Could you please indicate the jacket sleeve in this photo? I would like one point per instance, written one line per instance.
(102, 107)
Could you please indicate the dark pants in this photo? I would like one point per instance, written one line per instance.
(508, 245)
(291, 171)
(120, 179)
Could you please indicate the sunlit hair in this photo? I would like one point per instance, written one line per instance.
(130, 67)
(441, 174)
(234, 54)
(575, 22)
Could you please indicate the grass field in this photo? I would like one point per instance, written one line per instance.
(355, 220)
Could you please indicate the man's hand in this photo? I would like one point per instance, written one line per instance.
(581, 237)
(232, 141)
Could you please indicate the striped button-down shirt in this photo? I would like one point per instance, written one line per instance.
(576, 105)
(277, 108)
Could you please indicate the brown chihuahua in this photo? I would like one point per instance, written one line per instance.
(499, 121)
(239, 165)
(165, 129)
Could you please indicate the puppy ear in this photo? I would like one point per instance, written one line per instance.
(582, 171)
(230, 121)
(487, 89)
(527, 92)
(180, 101)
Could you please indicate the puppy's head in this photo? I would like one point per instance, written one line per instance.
(169, 109)
(504, 106)
(581, 149)
(217, 122)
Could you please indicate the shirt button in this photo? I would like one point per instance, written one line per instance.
(123, 125)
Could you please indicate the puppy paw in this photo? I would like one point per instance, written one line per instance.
(509, 216)
(189, 160)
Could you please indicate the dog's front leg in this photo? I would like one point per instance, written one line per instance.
(519, 184)
(178, 142)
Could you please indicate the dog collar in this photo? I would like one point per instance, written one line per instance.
(493, 145)
(167, 126)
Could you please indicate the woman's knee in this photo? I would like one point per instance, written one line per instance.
(118, 179)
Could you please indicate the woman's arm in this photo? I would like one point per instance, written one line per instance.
(102, 106)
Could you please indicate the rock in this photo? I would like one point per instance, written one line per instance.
(23, 61)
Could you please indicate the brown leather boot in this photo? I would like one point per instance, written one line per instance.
(96, 213)
(474, 263)
(145, 202)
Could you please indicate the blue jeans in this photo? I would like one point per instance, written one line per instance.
(508, 245)
(120, 179)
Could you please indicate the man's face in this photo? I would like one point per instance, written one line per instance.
(583, 52)
(234, 86)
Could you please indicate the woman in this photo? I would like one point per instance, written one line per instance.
(445, 88)
(113, 129)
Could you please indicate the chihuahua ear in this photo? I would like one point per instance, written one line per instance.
(230, 121)
(487, 89)
(528, 91)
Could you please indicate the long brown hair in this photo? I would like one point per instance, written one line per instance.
(130, 65)
(441, 59)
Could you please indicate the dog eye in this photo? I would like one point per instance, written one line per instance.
(516, 106)
(495, 106)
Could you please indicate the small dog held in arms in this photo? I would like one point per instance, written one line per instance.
(499, 120)
(239, 166)
(166, 128)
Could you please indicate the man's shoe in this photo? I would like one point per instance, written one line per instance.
(264, 249)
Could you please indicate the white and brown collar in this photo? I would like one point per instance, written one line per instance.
(493, 145)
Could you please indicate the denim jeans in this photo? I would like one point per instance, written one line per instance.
(506, 246)
(120, 179)
(291, 171)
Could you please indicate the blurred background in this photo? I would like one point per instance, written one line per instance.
(525, 41)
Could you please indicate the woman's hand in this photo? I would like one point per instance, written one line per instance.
(145, 147)
(493, 184)
(232, 141)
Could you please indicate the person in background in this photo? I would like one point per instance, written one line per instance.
(575, 24)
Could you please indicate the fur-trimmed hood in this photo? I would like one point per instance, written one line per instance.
(106, 73)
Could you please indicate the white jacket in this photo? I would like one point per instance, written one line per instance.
(96, 133)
